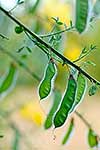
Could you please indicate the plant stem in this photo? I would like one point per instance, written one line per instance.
(47, 45)
(4, 37)
(20, 63)
(55, 33)
(86, 123)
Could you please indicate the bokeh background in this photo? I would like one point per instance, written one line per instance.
(21, 107)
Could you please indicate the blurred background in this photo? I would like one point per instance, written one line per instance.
(22, 116)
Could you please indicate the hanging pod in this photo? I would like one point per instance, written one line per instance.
(66, 103)
(82, 11)
(56, 102)
(8, 81)
(46, 84)
(81, 89)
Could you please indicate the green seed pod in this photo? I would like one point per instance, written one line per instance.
(69, 131)
(82, 11)
(92, 138)
(66, 103)
(81, 89)
(56, 102)
(46, 84)
(9, 80)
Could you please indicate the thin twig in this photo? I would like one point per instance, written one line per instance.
(86, 123)
(20, 63)
(55, 33)
(47, 45)
(4, 37)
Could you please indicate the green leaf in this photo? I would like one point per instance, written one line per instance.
(1, 136)
(69, 131)
(92, 139)
(93, 90)
(66, 103)
(60, 23)
(19, 29)
(29, 49)
(20, 49)
(20, 2)
(82, 10)
(16, 141)
(9, 80)
(90, 63)
(56, 102)
(81, 90)
(46, 84)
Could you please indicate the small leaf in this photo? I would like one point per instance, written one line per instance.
(92, 139)
(92, 90)
(16, 141)
(19, 29)
(90, 63)
(56, 102)
(1, 136)
(29, 49)
(70, 130)
(56, 19)
(82, 11)
(60, 23)
(20, 2)
(24, 56)
(46, 84)
(20, 49)
(71, 24)
(9, 79)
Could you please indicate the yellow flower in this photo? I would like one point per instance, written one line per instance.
(33, 112)
(73, 46)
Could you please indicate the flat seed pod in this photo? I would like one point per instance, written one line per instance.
(82, 10)
(46, 84)
(81, 89)
(56, 102)
(92, 139)
(66, 103)
(9, 80)
(69, 131)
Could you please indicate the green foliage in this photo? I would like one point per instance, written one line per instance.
(92, 138)
(15, 144)
(92, 90)
(82, 9)
(19, 29)
(46, 84)
(69, 131)
(81, 89)
(9, 80)
(20, 2)
(1, 136)
(66, 103)
(56, 102)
